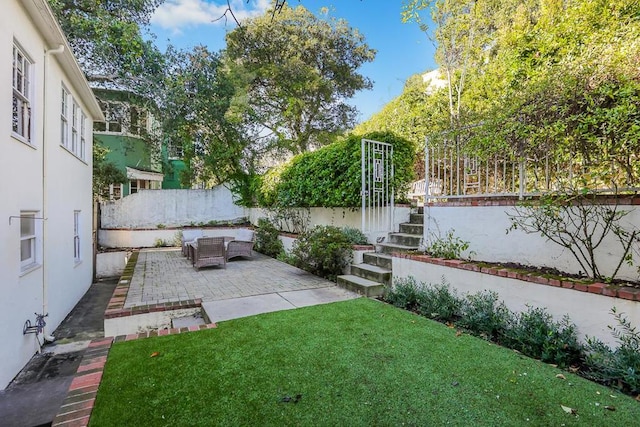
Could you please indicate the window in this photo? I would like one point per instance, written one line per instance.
(27, 239)
(133, 186)
(76, 236)
(64, 118)
(83, 140)
(21, 95)
(74, 128)
(72, 121)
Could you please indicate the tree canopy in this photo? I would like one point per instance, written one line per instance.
(294, 72)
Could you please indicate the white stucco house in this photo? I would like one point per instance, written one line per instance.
(46, 262)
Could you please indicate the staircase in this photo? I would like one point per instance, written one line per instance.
(371, 277)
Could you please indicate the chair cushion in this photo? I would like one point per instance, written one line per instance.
(244, 235)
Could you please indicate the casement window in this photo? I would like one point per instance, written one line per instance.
(64, 118)
(74, 128)
(76, 236)
(28, 240)
(22, 93)
(83, 139)
(72, 125)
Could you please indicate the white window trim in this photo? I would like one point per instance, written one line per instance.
(33, 261)
(64, 117)
(77, 256)
(24, 95)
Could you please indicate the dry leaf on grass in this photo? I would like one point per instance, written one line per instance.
(568, 410)
(155, 354)
(610, 407)
(560, 376)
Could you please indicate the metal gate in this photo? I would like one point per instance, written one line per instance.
(377, 186)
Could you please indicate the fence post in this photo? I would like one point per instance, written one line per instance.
(522, 179)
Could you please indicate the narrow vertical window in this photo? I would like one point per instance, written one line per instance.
(27, 239)
(74, 127)
(64, 119)
(83, 141)
(21, 120)
(76, 236)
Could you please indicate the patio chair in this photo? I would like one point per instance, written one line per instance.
(242, 245)
(209, 251)
(189, 236)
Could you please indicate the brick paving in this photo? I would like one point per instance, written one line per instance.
(162, 276)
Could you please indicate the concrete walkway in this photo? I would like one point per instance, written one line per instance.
(247, 286)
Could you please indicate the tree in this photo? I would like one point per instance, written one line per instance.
(198, 97)
(106, 37)
(104, 172)
(295, 72)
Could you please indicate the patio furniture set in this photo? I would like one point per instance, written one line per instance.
(209, 251)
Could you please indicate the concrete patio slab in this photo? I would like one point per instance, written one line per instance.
(310, 297)
(235, 308)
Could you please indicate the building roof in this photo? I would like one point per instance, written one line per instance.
(43, 18)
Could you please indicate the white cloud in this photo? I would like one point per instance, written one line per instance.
(175, 15)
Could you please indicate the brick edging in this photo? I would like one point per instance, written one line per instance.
(81, 396)
(598, 288)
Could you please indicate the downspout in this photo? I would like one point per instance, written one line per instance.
(47, 53)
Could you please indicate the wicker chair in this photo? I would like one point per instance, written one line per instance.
(189, 236)
(242, 245)
(209, 251)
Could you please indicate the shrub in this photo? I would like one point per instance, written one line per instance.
(267, 241)
(403, 293)
(619, 368)
(324, 251)
(355, 236)
(439, 302)
(534, 333)
(331, 175)
(484, 316)
(449, 247)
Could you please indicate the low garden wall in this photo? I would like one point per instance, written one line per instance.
(126, 238)
(111, 264)
(171, 208)
(588, 306)
(483, 222)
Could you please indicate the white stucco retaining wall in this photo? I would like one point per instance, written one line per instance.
(339, 217)
(171, 208)
(144, 322)
(485, 228)
(150, 238)
(111, 264)
(590, 312)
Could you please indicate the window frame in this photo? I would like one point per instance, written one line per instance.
(77, 256)
(64, 118)
(22, 98)
(27, 264)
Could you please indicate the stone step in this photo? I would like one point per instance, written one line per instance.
(361, 286)
(372, 272)
(408, 228)
(416, 218)
(405, 239)
(381, 260)
(388, 248)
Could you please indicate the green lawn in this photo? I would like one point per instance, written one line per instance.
(353, 363)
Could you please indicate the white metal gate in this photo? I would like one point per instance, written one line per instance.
(377, 186)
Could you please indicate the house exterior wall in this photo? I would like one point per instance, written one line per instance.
(42, 177)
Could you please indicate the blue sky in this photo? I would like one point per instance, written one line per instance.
(403, 50)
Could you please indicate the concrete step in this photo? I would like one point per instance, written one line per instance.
(409, 228)
(381, 260)
(388, 248)
(362, 286)
(405, 239)
(372, 272)
(416, 218)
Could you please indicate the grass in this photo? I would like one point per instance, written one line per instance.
(358, 362)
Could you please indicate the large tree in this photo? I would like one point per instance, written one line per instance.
(198, 97)
(295, 72)
(107, 37)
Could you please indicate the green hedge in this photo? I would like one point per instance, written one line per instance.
(330, 176)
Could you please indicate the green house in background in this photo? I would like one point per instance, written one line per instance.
(134, 139)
